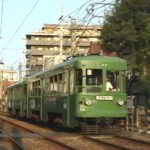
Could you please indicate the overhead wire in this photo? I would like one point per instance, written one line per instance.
(17, 61)
(79, 26)
(81, 8)
(78, 9)
(85, 26)
(82, 34)
(2, 10)
(21, 24)
(68, 42)
(84, 20)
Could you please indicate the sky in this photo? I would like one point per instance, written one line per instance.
(15, 24)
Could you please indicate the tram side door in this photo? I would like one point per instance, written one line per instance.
(68, 89)
(66, 98)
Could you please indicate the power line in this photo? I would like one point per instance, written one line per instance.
(67, 42)
(83, 22)
(17, 61)
(20, 26)
(78, 27)
(88, 16)
(1, 18)
(78, 9)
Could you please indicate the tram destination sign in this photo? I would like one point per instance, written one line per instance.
(108, 98)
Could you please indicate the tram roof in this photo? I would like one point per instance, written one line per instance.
(17, 84)
(98, 58)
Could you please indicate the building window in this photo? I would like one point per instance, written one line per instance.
(39, 48)
(56, 39)
(48, 39)
(36, 38)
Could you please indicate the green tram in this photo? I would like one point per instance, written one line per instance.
(74, 93)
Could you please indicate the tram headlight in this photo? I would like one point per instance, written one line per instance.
(88, 102)
(120, 102)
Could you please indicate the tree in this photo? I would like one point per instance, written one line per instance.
(126, 30)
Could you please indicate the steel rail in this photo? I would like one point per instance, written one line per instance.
(133, 139)
(11, 139)
(44, 136)
(98, 141)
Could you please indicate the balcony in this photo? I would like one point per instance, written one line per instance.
(42, 52)
(33, 62)
(66, 42)
(42, 43)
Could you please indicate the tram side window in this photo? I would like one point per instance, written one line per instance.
(79, 77)
(55, 85)
(25, 90)
(65, 79)
(30, 88)
(33, 89)
(16, 95)
(79, 80)
(36, 88)
(60, 83)
(112, 81)
(47, 86)
(51, 85)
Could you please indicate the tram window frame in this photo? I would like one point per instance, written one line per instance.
(52, 85)
(33, 88)
(79, 76)
(65, 82)
(38, 83)
(123, 80)
(55, 85)
(60, 83)
(79, 80)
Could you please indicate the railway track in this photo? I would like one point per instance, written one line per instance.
(5, 137)
(121, 142)
(27, 135)
(74, 141)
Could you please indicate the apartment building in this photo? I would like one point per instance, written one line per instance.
(54, 42)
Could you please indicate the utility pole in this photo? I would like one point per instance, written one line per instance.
(61, 31)
(61, 43)
(73, 35)
(20, 71)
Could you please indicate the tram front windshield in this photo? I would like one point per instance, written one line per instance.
(93, 81)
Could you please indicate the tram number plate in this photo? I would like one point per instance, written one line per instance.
(108, 98)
